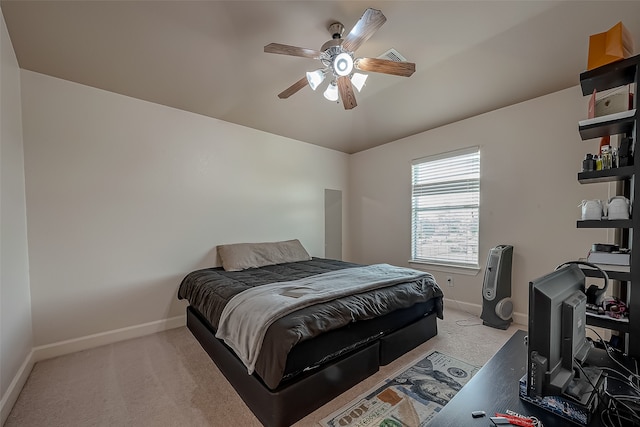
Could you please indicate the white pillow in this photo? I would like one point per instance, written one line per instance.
(240, 256)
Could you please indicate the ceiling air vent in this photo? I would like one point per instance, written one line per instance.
(393, 55)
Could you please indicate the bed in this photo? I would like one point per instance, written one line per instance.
(319, 347)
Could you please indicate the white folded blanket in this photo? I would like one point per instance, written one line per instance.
(247, 316)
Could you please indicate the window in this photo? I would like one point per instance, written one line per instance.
(444, 208)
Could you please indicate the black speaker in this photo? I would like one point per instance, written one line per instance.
(497, 306)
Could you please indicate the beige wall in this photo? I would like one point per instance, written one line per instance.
(124, 197)
(15, 305)
(530, 155)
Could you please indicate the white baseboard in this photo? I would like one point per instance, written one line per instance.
(60, 348)
(521, 319)
(12, 393)
(476, 310)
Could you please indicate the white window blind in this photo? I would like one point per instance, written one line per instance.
(445, 204)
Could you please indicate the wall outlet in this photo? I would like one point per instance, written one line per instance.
(450, 281)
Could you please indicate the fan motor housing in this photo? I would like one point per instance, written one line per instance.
(330, 44)
(336, 30)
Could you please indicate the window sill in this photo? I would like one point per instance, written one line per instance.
(447, 268)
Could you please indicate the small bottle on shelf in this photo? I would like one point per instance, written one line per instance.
(606, 157)
(588, 164)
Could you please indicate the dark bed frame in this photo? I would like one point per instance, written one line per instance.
(297, 398)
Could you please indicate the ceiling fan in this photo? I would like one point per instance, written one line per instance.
(339, 61)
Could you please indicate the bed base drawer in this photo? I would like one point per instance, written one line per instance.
(287, 404)
(399, 342)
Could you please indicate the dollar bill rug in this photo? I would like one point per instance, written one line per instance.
(410, 398)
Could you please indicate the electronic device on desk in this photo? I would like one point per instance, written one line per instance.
(556, 377)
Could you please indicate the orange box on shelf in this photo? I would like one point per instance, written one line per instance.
(611, 46)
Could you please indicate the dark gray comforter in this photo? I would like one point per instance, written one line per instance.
(209, 290)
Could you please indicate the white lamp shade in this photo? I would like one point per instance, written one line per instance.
(358, 80)
(332, 92)
(315, 78)
(343, 64)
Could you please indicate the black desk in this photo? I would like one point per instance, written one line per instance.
(495, 389)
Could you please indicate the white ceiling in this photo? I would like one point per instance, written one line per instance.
(207, 57)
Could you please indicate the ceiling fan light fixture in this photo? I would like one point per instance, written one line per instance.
(358, 80)
(343, 64)
(332, 92)
(315, 78)
(338, 58)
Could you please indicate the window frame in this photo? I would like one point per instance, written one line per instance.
(447, 262)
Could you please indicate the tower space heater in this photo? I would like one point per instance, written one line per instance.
(497, 306)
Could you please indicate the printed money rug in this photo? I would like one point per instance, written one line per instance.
(410, 398)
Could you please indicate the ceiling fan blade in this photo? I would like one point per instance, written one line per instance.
(293, 88)
(403, 69)
(371, 20)
(346, 93)
(285, 49)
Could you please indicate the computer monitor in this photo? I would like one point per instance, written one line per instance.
(557, 336)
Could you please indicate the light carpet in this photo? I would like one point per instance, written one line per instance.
(166, 379)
